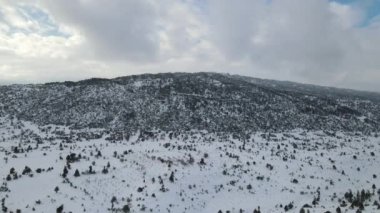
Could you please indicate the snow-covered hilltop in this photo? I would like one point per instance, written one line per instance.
(182, 142)
(182, 101)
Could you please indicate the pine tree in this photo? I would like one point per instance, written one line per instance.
(60, 209)
(202, 162)
(126, 209)
(171, 178)
(113, 200)
(26, 170)
(105, 170)
(65, 171)
(76, 174)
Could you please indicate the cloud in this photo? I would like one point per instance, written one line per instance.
(316, 41)
(285, 35)
(312, 41)
(119, 29)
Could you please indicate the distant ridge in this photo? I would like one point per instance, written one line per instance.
(186, 101)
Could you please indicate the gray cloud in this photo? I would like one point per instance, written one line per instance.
(299, 36)
(118, 29)
(314, 41)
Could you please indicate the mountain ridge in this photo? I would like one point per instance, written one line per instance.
(184, 101)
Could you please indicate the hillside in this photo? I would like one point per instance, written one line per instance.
(191, 143)
(201, 101)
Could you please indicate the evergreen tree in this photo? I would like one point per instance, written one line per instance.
(171, 178)
(26, 170)
(126, 209)
(113, 200)
(65, 171)
(202, 162)
(76, 174)
(60, 209)
(105, 170)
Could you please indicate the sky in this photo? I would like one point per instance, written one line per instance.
(325, 42)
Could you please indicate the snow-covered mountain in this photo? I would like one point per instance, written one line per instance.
(180, 142)
(202, 101)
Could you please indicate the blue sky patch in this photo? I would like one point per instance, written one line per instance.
(47, 27)
(371, 9)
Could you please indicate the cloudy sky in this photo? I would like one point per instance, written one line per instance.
(326, 42)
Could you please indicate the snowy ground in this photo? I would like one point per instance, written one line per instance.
(168, 175)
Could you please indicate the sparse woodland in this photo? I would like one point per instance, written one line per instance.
(188, 143)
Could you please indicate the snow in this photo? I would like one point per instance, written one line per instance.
(308, 157)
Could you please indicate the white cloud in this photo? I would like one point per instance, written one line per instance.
(37, 46)
(346, 15)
